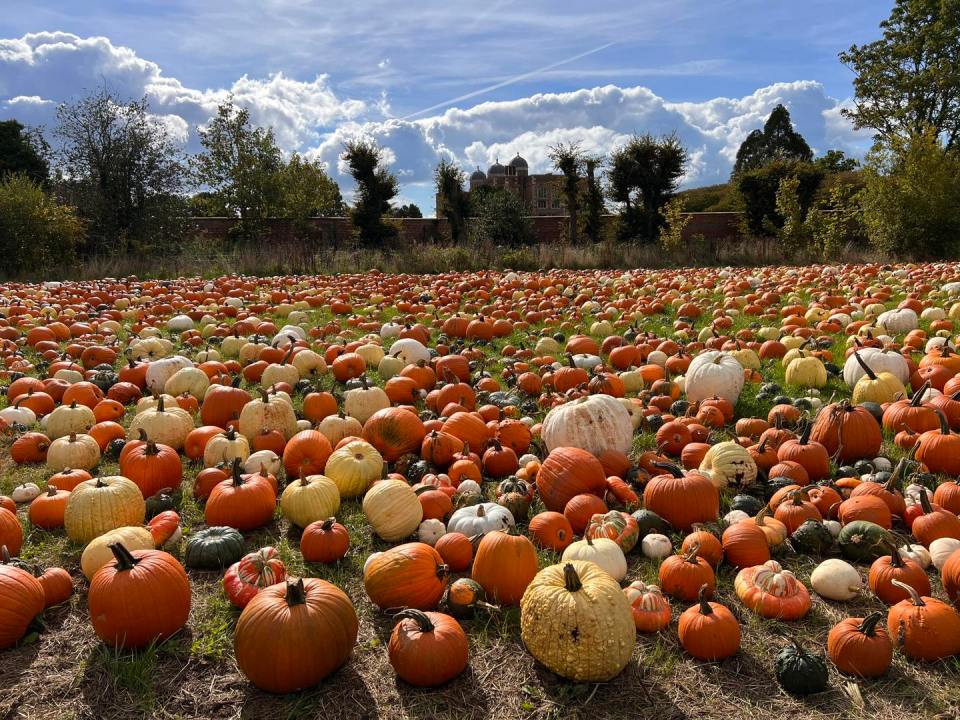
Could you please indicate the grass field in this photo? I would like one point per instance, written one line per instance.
(65, 672)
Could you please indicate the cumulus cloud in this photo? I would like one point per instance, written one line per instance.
(40, 70)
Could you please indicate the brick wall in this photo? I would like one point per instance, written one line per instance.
(548, 229)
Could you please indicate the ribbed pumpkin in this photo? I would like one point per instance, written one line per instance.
(504, 565)
(682, 576)
(138, 598)
(102, 504)
(244, 502)
(709, 631)
(772, 592)
(393, 509)
(427, 649)
(292, 635)
(551, 530)
(575, 619)
(923, 627)
(22, 599)
(309, 499)
(411, 575)
(745, 545)
(861, 646)
(354, 467)
(394, 432)
(97, 553)
(567, 472)
(682, 499)
(651, 610)
(152, 467)
(847, 431)
(324, 541)
(11, 534)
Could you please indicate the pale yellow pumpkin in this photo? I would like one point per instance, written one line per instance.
(73, 451)
(575, 619)
(354, 467)
(729, 463)
(807, 372)
(272, 413)
(97, 553)
(393, 509)
(99, 505)
(165, 424)
(309, 499)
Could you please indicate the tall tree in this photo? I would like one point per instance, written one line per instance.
(644, 174)
(568, 159)
(409, 210)
(502, 218)
(453, 203)
(593, 200)
(376, 187)
(909, 80)
(241, 163)
(777, 141)
(836, 161)
(23, 151)
(122, 171)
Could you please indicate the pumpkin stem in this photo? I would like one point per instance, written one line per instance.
(419, 617)
(151, 448)
(705, 608)
(327, 525)
(805, 433)
(143, 435)
(918, 395)
(235, 473)
(914, 595)
(944, 425)
(125, 560)
(671, 468)
(866, 368)
(869, 624)
(571, 580)
(443, 571)
(51, 490)
(925, 502)
(4, 555)
(296, 594)
(895, 558)
(691, 556)
(160, 404)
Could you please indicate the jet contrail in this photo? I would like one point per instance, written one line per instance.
(510, 81)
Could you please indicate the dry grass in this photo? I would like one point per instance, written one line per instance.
(65, 672)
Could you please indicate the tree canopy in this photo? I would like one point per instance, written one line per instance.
(376, 187)
(777, 141)
(22, 151)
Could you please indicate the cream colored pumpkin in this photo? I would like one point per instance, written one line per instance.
(73, 451)
(747, 358)
(16, 415)
(728, 463)
(230, 347)
(354, 467)
(150, 402)
(166, 424)
(266, 460)
(336, 427)
(188, 380)
(941, 549)
(159, 371)
(879, 361)
(836, 579)
(390, 367)
(604, 552)
(713, 373)
(899, 321)
(575, 619)
(371, 353)
(430, 531)
(655, 546)
(362, 402)
(309, 499)
(281, 372)
(595, 423)
(97, 553)
(807, 372)
(393, 510)
(410, 351)
(272, 412)
(309, 364)
(69, 419)
(102, 504)
(226, 447)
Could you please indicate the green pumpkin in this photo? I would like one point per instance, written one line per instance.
(812, 537)
(161, 502)
(464, 596)
(214, 548)
(800, 672)
(863, 541)
(747, 503)
(650, 522)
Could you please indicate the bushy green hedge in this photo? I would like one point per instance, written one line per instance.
(36, 232)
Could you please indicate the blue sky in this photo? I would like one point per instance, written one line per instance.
(471, 81)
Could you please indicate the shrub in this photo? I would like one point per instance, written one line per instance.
(36, 233)
(911, 199)
(758, 190)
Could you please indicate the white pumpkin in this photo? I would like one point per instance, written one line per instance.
(179, 323)
(410, 351)
(364, 401)
(713, 373)
(68, 419)
(728, 463)
(16, 415)
(834, 527)
(603, 552)
(878, 361)
(336, 427)
(189, 380)
(261, 460)
(430, 531)
(309, 364)
(25, 492)
(836, 579)
(899, 321)
(166, 424)
(595, 423)
(655, 546)
(159, 371)
(274, 412)
(480, 519)
(918, 553)
(226, 447)
(73, 451)
(735, 516)
(941, 549)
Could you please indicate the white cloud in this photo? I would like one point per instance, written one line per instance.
(39, 70)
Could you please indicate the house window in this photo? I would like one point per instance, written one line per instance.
(556, 203)
(542, 192)
(541, 204)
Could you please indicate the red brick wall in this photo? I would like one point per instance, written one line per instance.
(549, 229)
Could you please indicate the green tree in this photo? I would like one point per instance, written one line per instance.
(837, 221)
(777, 141)
(36, 232)
(568, 160)
(453, 203)
(305, 191)
(644, 175)
(409, 210)
(206, 204)
(836, 161)
(792, 233)
(908, 81)
(675, 220)
(23, 151)
(241, 163)
(593, 205)
(376, 187)
(758, 192)
(119, 167)
(502, 218)
(911, 198)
